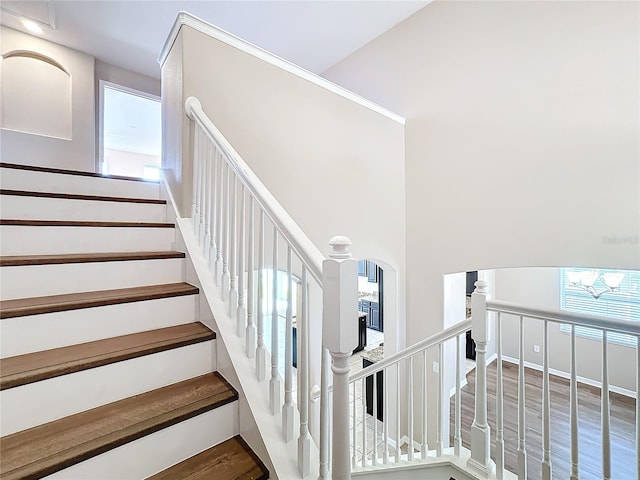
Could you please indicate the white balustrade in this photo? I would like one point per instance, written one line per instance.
(574, 320)
(232, 246)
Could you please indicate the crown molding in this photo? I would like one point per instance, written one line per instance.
(201, 26)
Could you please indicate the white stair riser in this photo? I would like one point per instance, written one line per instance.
(33, 333)
(30, 240)
(44, 208)
(40, 280)
(158, 451)
(13, 179)
(48, 400)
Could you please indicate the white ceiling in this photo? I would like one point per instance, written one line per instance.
(129, 34)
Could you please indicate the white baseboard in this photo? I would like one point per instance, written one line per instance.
(561, 374)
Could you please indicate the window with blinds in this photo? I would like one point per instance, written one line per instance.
(624, 303)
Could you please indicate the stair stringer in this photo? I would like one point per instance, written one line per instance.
(261, 430)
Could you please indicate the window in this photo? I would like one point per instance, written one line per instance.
(624, 303)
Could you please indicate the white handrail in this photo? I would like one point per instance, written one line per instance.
(558, 316)
(304, 248)
(432, 341)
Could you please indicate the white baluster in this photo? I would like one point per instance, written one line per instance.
(226, 277)
(546, 407)
(195, 213)
(203, 192)
(385, 416)
(261, 351)
(233, 247)
(287, 408)
(480, 431)
(457, 437)
(220, 166)
(325, 366)
(374, 459)
(424, 446)
(275, 383)
(364, 422)
(522, 450)
(340, 336)
(211, 254)
(439, 426)
(499, 403)
(250, 336)
(354, 432)
(207, 199)
(304, 440)
(398, 387)
(574, 409)
(606, 432)
(242, 309)
(410, 406)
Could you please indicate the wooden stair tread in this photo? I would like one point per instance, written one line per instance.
(82, 223)
(19, 260)
(74, 196)
(48, 448)
(33, 367)
(229, 460)
(64, 171)
(72, 301)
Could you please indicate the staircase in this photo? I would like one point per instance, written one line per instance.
(105, 370)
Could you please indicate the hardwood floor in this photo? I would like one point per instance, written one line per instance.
(623, 424)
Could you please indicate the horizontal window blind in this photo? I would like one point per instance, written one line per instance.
(624, 303)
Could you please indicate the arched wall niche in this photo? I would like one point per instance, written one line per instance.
(36, 95)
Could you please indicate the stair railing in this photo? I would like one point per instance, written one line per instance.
(506, 311)
(377, 402)
(235, 219)
(382, 412)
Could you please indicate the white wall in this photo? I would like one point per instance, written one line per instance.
(73, 145)
(522, 137)
(325, 158)
(540, 287)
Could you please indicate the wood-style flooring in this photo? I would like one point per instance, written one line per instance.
(623, 424)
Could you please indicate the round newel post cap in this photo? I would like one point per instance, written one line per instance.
(481, 287)
(340, 247)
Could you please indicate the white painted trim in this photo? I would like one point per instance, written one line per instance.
(561, 374)
(185, 18)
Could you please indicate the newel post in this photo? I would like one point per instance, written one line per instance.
(480, 460)
(340, 337)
